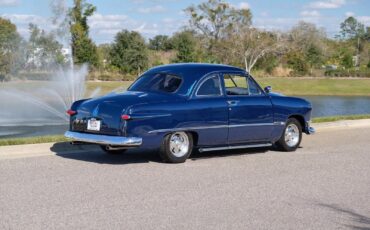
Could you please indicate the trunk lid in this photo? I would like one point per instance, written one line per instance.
(108, 110)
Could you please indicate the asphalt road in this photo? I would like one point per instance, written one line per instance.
(324, 185)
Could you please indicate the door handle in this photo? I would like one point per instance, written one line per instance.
(232, 103)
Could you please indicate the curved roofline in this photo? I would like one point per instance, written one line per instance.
(199, 64)
(191, 73)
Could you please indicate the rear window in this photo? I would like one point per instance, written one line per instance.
(160, 82)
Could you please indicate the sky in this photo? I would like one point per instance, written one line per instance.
(153, 17)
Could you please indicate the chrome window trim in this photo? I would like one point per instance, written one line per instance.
(204, 80)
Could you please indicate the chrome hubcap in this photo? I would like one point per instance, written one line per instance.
(179, 144)
(291, 135)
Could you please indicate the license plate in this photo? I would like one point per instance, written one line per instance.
(93, 125)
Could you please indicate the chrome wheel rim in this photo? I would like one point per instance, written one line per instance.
(179, 144)
(292, 135)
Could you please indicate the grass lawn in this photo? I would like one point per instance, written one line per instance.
(32, 140)
(322, 86)
(339, 118)
(288, 86)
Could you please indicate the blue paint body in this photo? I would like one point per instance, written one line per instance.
(212, 120)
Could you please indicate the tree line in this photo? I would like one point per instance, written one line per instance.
(217, 32)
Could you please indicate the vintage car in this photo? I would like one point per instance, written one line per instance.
(180, 107)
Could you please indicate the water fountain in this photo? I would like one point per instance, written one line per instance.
(34, 108)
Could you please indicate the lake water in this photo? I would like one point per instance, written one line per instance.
(322, 106)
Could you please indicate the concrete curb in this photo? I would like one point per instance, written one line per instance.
(45, 149)
(363, 123)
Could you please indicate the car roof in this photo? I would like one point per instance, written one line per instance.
(193, 69)
(191, 73)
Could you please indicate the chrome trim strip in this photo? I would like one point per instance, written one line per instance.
(103, 139)
(235, 147)
(188, 128)
(139, 116)
(204, 80)
(254, 124)
(215, 127)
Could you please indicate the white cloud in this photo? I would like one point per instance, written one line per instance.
(23, 20)
(349, 14)
(9, 2)
(364, 19)
(154, 9)
(328, 4)
(243, 5)
(310, 13)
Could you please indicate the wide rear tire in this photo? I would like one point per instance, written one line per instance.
(291, 137)
(176, 147)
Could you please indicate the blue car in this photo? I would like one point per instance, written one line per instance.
(184, 107)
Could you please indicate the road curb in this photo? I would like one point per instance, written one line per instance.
(362, 123)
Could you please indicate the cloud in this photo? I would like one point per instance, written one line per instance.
(154, 9)
(364, 19)
(310, 13)
(9, 3)
(23, 20)
(349, 14)
(329, 4)
(243, 5)
(103, 28)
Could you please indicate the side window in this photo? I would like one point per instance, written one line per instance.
(210, 87)
(253, 87)
(236, 84)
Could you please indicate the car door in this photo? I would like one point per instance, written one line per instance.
(209, 112)
(250, 110)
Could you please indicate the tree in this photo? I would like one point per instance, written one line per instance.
(184, 43)
(10, 42)
(160, 42)
(306, 41)
(351, 28)
(252, 45)
(83, 48)
(43, 50)
(296, 61)
(346, 60)
(129, 53)
(216, 19)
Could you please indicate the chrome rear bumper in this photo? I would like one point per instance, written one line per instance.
(104, 140)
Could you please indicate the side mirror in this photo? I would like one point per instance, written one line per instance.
(268, 89)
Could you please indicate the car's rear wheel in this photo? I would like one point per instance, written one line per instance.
(292, 136)
(112, 151)
(176, 147)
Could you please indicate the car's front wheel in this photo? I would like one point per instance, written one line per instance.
(292, 136)
(176, 147)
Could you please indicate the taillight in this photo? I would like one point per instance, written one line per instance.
(71, 112)
(126, 117)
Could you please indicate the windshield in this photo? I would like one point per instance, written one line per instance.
(160, 82)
